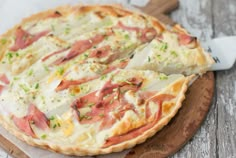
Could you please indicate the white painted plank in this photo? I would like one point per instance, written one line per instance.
(196, 16)
(225, 24)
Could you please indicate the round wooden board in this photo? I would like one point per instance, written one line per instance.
(184, 125)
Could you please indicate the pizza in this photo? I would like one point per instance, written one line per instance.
(89, 80)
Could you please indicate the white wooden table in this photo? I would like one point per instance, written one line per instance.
(207, 19)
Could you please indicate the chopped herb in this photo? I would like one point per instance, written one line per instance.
(60, 70)
(163, 77)
(9, 56)
(53, 27)
(179, 65)
(58, 124)
(72, 94)
(16, 78)
(67, 30)
(24, 87)
(30, 73)
(44, 136)
(122, 60)
(54, 126)
(103, 77)
(149, 59)
(17, 54)
(43, 99)
(164, 47)
(52, 118)
(106, 38)
(159, 57)
(91, 104)
(45, 68)
(87, 117)
(127, 37)
(36, 86)
(174, 53)
(34, 97)
(86, 55)
(94, 47)
(101, 115)
(3, 41)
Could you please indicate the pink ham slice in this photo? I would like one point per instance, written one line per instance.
(133, 133)
(100, 52)
(1, 88)
(54, 53)
(80, 47)
(128, 28)
(24, 39)
(38, 117)
(104, 101)
(148, 34)
(187, 40)
(34, 115)
(159, 99)
(64, 84)
(145, 34)
(24, 125)
(4, 78)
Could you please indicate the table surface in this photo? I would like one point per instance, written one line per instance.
(208, 19)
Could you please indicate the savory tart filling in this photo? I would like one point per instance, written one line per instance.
(89, 80)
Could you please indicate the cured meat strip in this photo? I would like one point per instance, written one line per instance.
(1, 88)
(4, 79)
(100, 52)
(187, 40)
(24, 39)
(133, 133)
(159, 99)
(54, 53)
(145, 35)
(80, 47)
(64, 84)
(106, 100)
(34, 115)
(39, 118)
(24, 125)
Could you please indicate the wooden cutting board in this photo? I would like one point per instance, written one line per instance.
(183, 126)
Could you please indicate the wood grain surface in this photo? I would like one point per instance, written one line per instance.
(208, 19)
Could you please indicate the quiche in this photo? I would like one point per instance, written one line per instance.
(89, 80)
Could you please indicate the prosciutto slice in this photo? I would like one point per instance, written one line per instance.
(34, 116)
(159, 99)
(80, 47)
(4, 79)
(24, 39)
(145, 34)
